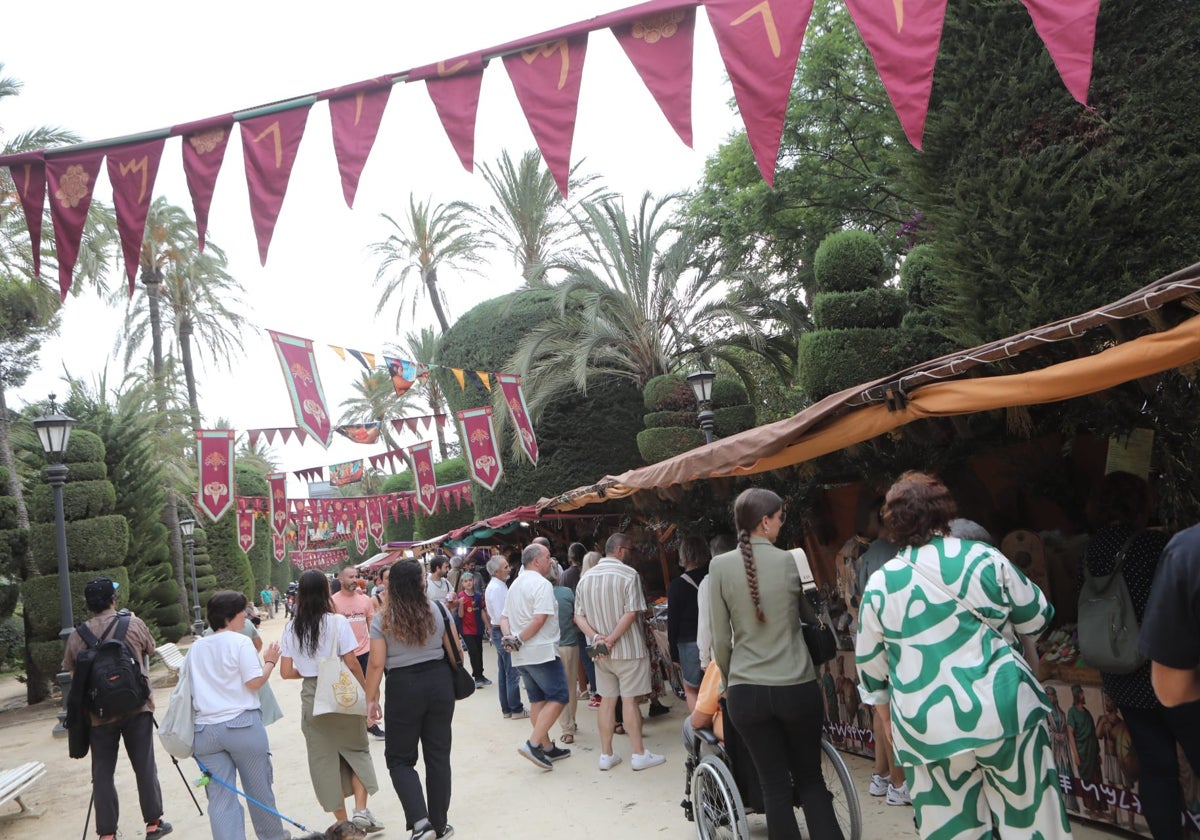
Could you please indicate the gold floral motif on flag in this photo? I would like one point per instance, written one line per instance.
(479, 436)
(73, 187)
(214, 460)
(302, 373)
(205, 141)
(485, 463)
(654, 29)
(313, 409)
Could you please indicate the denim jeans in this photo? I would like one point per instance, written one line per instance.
(507, 683)
(589, 667)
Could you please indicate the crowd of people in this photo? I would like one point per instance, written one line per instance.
(964, 731)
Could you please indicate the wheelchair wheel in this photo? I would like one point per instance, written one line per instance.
(841, 785)
(718, 805)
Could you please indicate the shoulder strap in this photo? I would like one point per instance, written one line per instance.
(121, 622)
(807, 614)
(447, 645)
(904, 555)
(1118, 561)
(695, 585)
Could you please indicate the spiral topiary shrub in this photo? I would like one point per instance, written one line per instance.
(81, 500)
(43, 589)
(91, 543)
(849, 261)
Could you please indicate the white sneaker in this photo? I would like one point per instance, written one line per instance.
(898, 795)
(646, 759)
(608, 762)
(365, 820)
(879, 785)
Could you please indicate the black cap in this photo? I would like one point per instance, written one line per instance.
(100, 592)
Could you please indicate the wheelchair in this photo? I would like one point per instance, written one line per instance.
(721, 787)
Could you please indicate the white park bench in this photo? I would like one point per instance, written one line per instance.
(15, 782)
(172, 657)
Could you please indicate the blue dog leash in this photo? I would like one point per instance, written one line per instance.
(209, 777)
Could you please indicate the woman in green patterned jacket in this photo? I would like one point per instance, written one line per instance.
(967, 716)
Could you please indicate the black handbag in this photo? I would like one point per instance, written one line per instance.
(464, 683)
(818, 637)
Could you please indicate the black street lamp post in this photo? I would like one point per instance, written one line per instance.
(187, 527)
(54, 431)
(702, 383)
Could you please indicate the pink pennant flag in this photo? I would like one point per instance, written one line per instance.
(903, 37)
(28, 172)
(514, 397)
(304, 385)
(479, 441)
(279, 547)
(204, 145)
(269, 145)
(546, 79)
(454, 88)
(132, 170)
(214, 453)
(245, 521)
(375, 523)
(356, 115)
(72, 180)
(421, 455)
(361, 536)
(760, 45)
(277, 482)
(466, 493)
(660, 47)
(1068, 29)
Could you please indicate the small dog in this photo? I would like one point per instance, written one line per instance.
(341, 830)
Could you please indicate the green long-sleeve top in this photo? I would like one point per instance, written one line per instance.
(764, 653)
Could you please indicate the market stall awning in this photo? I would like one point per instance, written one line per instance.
(935, 389)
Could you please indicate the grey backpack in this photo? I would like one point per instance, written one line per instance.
(1108, 625)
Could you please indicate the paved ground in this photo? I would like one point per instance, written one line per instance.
(497, 794)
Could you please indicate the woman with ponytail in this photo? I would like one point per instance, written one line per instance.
(771, 685)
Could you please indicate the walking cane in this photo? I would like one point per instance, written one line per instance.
(175, 761)
(88, 819)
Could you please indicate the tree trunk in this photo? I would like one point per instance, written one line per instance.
(153, 282)
(170, 518)
(189, 370)
(431, 285)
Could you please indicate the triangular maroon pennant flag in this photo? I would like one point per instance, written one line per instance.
(466, 493)
(546, 79)
(356, 115)
(72, 180)
(1068, 29)
(279, 548)
(245, 521)
(510, 386)
(253, 435)
(132, 170)
(204, 145)
(269, 145)
(454, 88)
(277, 483)
(760, 44)
(284, 434)
(375, 523)
(903, 39)
(28, 172)
(406, 500)
(411, 423)
(659, 45)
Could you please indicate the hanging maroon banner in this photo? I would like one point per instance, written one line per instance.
(214, 452)
(421, 455)
(277, 482)
(360, 432)
(362, 539)
(347, 472)
(479, 441)
(760, 45)
(269, 145)
(659, 45)
(245, 519)
(356, 116)
(279, 547)
(453, 87)
(304, 385)
(1068, 29)
(204, 145)
(510, 386)
(322, 558)
(132, 170)
(546, 78)
(903, 38)
(28, 172)
(72, 180)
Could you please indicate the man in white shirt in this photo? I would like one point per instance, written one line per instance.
(508, 685)
(351, 602)
(529, 624)
(437, 585)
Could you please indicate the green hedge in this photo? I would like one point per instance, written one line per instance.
(831, 360)
(40, 596)
(733, 419)
(12, 552)
(83, 446)
(10, 594)
(47, 655)
(12, 642)
(669, 392)
(850, 310)
(918, 278)
(662, 443)
(91, 543)
(728, 392)
(666, 419)
(8, 512)
(81, 500)
(849, 261)
(4, 481)
(87, 471)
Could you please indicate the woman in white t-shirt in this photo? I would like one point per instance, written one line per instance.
(339, 757)
(230, 738)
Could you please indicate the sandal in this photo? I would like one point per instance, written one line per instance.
(567, 738)
(619, 729)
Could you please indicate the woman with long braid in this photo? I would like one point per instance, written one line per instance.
(771, 685)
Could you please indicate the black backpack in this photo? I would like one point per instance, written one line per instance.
(116, 686)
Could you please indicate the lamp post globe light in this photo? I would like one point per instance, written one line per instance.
(702, 383)
(187, 529)
(54, 432)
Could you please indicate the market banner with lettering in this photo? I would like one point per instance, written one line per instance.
(72, 180)
(659, 45)
(204, 145)
(214, 452)
(131, 171)
(760, 45)
(269, 146)
(277, 482)
(320, 558)
(421, 456)
(278, 547)
(304, 385)
(479, 441)
(245, 520)
(360, 432)
(453, 86)
(356, 115)
(28, 171)
(514, 398)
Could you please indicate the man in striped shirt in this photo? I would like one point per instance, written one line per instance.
(608, 605)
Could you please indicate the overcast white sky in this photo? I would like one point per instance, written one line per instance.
(107, 70)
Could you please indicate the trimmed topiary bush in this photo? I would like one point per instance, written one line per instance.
(669, 392)
(8, 513)
(849, 261)
(87, 471)
(83, 446)
(43, 590)
(918, 278)
(832, 360)
(663, 419)
(91, 543)
(732, 419)
(865, 309)
(81, 500)
(662, 443)
(727, 392)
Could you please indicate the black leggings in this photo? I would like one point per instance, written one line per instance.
(781, 727)
(475, 652)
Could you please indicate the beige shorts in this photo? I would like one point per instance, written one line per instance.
(622, 677)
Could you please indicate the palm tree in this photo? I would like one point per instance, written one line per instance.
(374, 401)
(644, 302)
(529, 218)
(424, 345)
(257, 456)
(431, 236)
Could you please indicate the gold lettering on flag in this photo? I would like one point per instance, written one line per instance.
(23, 190)
(443, 70)
(136, 166)
(548, 50)
(764, 9)
(273, 129)
(899, 7)
(358, 102)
